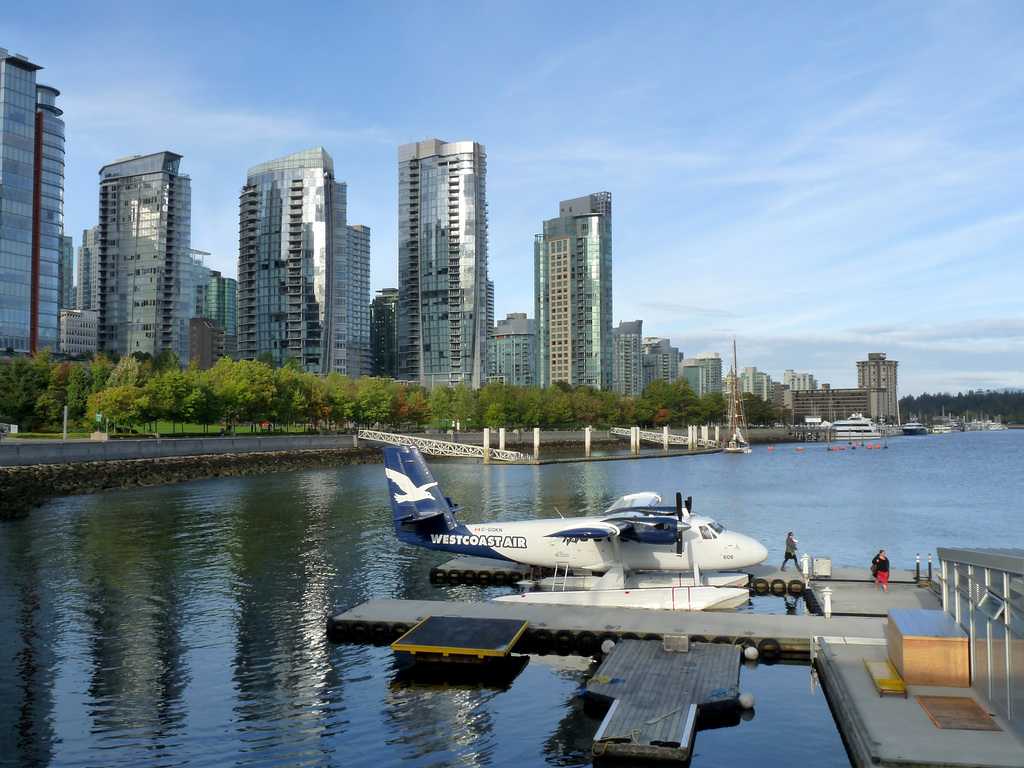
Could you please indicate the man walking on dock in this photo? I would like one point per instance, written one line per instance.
(790, 552)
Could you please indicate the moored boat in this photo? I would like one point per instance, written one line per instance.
(856, 427)
(736, 443)
(914, 428)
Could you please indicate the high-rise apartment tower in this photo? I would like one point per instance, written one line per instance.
(878, 373)
(145, 284)
(302, 291)
(628, 360)
(86, 296)
(573, 293)
(445, 307)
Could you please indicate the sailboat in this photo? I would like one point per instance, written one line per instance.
(736, 442)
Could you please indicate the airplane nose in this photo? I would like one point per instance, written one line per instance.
(762, 552)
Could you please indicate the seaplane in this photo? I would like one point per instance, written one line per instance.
(636, 554)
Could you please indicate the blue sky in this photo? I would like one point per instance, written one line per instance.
(822, 180)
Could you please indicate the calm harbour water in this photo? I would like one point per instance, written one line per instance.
(184, 625)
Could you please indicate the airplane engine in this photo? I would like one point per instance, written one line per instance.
(652, 530)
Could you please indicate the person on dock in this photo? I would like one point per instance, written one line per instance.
(880, 566)
(790, 552)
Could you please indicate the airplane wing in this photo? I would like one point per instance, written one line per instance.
(587, 532)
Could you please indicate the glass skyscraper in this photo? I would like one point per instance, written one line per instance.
(511, 353)
(220, 306)
(302, 291)
(573, 294)
(67, 272)
(383, 333)
(88, 270)
(628, 363)
(146, 291)
(31, 207)
(444, 303)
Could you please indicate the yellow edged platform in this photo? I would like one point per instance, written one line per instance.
(459, 638)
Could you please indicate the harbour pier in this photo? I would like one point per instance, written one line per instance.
(937, 724)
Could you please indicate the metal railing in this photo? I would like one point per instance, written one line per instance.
(440, 447)
(659, 438)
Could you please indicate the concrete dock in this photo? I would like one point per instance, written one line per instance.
(897, 731)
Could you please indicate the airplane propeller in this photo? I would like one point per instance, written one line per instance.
(679, 529)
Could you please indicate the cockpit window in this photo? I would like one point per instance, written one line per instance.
(706, 532)
(718, 528)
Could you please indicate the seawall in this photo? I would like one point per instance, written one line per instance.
(24, 487)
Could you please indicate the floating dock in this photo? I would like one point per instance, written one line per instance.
(912, 732)
(655, 697)
(582, 630)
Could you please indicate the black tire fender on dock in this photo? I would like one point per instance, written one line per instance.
(722, 640)
(652, 636)
(399, 629)
(360, 631)
(454, 577)
(698, 639)
(500, 579)
(381, 632)
(564, 641)
(437, 576)
(606, 637)
(760, 586)
(338, 630)
(541, 639)
(796, 587)
(769, 651)
(469, 577)
(630, 636)
(586, 643)
(483, 578)
(778, 587)
(514, 576)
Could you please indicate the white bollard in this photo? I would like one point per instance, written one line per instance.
(807, 566)
(664, 438)
(487, 445)
(536, 443)
(501, 438)
(827, 594)
(586, 441)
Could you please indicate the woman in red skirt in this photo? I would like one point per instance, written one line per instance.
(881, 564)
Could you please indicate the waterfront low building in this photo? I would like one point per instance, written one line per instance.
(983, 590)
(832, 404)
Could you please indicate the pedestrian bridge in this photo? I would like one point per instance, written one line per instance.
(434, 447)
(695, 437)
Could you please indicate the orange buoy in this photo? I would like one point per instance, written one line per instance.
(799, 447)
(770, 448)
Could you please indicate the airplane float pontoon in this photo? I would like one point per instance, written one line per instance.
(647, 556)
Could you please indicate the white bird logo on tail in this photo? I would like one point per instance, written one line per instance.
(409, 490)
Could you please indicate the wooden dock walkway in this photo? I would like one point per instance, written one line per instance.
(657, 696)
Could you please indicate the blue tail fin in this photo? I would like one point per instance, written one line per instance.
(417, 504)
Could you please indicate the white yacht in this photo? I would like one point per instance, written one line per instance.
(857, 427)
(914, 428)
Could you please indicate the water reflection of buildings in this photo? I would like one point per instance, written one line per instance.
(26, 655)
(137, 675)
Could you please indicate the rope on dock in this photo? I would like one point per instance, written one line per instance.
(604, 741)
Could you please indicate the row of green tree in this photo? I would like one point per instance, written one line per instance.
(131, 392)
(998, 405)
